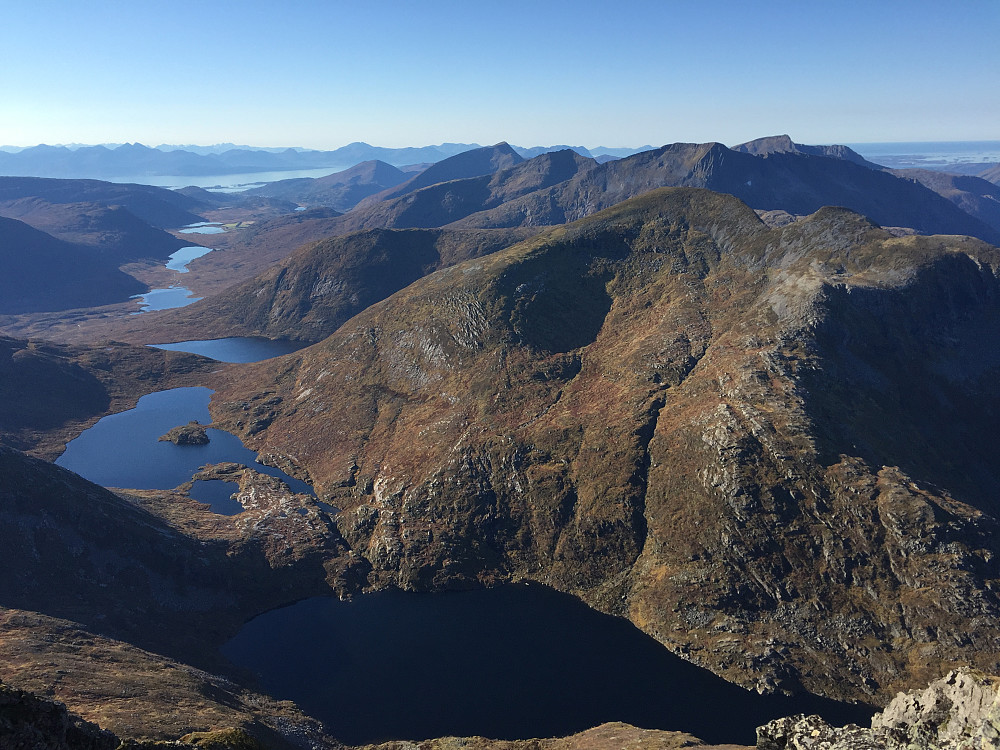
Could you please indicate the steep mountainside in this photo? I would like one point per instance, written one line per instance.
(157, 206)
(310, 294)
(42, 273)
(782, 144)
(974, 195)
(480, 161)
(341, 191)
(663, 409)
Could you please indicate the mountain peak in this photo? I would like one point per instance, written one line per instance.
(783, 144)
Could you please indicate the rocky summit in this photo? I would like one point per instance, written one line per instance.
(770, 449)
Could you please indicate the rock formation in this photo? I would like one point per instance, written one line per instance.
(961, 711)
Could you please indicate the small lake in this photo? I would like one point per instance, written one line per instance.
(512, 662)
(123, 450)
(235, 348)
(203, 227)
(164, 299)
(179, 259)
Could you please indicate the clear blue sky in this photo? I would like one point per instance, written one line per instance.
(324, 73)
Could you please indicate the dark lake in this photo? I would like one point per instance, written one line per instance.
(123, 450)
(512, 662)
(236, 348)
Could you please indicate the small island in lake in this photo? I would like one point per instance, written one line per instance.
(192, 433)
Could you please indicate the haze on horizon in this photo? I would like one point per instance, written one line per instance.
(583, 73)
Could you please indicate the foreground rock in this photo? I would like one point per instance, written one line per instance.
(958, 712)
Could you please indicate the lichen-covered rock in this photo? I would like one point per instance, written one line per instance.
(961, 711)
(813, 733)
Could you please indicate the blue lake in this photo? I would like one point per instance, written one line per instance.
(235, 348)
(164, 299)
(512, 662)
(123, 450)
(179, 260)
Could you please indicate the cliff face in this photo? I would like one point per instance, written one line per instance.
(661, 409)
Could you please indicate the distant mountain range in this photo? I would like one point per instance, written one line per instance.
(494, 187)
(132, 159)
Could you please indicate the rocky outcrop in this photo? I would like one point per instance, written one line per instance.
(961, 710)
(191, 433)
(958, 712)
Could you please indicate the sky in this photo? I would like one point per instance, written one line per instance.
(324, 73)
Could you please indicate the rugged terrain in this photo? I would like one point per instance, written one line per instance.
(771, 448)
(724, 432)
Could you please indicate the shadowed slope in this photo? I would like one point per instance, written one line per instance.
(157, 206)
(974, 195)
(479, 161)
(42, 273)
